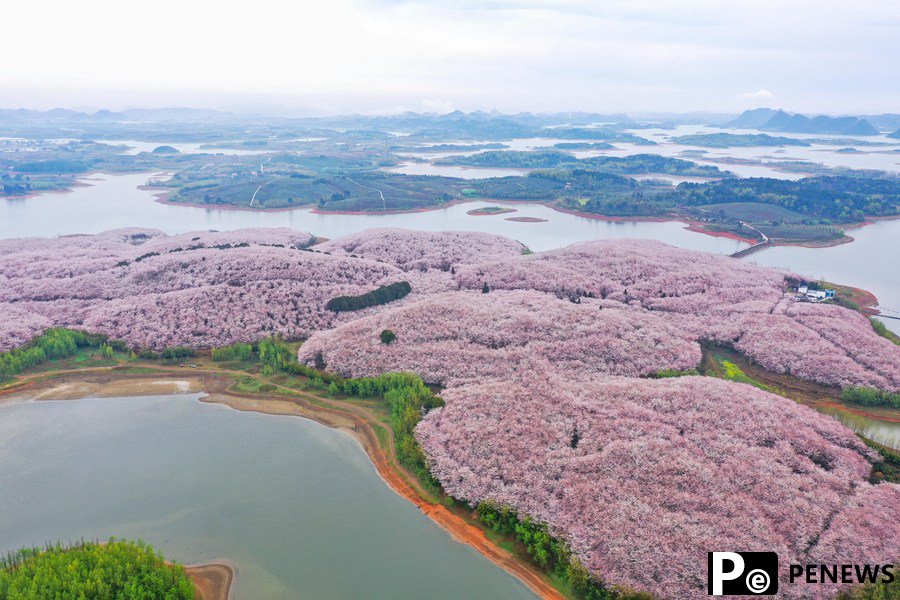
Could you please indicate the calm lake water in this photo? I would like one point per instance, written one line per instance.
(113, 201)
(296, 506)
(885, 157)
(883, 432)
(871, 262)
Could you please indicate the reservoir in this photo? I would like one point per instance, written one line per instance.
(871, 262)
(113, 201)
(296, 507)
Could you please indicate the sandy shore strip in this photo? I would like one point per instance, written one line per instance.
(213, 581)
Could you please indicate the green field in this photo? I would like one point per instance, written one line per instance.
(754, 212)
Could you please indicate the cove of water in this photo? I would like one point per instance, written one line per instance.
(296, 506)
(870, 262)
(884, 432)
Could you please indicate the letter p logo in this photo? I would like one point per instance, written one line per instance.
(725, 573)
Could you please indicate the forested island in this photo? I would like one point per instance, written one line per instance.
(114, 569)
(729, 140)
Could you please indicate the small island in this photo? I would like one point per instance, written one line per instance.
(122, 568)
(527, 219)
(490, 210)
(166, 150)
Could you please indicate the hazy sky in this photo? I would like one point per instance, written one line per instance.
(333, 56)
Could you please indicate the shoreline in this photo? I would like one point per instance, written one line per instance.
(698, 227)
(353, 420)
(161, 195)
(213, 581)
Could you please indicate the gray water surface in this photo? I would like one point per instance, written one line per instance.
(113, 201)
(296, 506)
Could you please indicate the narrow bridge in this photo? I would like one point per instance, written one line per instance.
(751, 249)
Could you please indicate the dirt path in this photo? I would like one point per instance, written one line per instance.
(252, 198)
(380, 193)
(354, 419)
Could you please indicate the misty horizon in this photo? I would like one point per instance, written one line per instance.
(387, 57)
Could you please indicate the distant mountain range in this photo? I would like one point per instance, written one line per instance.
(768, 119)
(190, 124)
(131, 114)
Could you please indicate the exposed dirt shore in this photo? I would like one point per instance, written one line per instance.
(212, 581)
(698, 227)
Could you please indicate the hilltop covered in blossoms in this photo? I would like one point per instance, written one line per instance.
(423, 250)
(458, 336)
(206, 289)
(643, 477)
(200, 289)
(545, 359)
(669, 293)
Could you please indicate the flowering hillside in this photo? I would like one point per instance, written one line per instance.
(457, 336)
(422, 250)
(710, 297)
(545, 358)
(199, 289)
(643, 477)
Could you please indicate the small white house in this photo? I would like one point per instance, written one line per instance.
(804, 293)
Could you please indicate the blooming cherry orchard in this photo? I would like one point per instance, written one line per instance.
(545, 358)
(713, 298)
(200, 289)
(643, 477)
(421, 250)
(459, 336)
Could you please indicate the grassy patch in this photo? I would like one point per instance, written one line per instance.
(753, 212)
(882, 330)
(733, 372)
(887, 468)
(247, 384)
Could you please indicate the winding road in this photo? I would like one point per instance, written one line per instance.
(257, 191)
(383, 202)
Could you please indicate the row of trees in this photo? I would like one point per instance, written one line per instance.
(840, 198)
(551, 554)
(115, 569)
(381, 295)
(870, 397)
(236, 351)
(409, 400)
(171, 353)
(54, 343)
